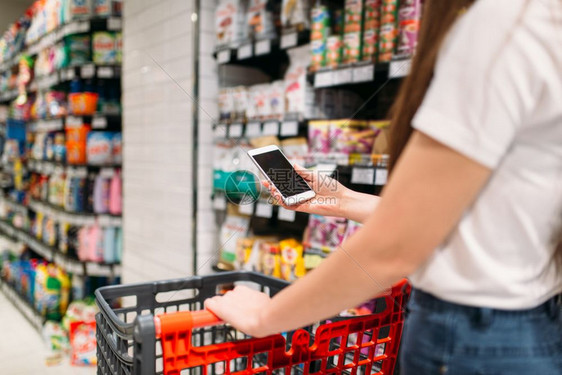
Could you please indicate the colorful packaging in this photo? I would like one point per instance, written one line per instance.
(78, 47)
(270, 259)
(370, 45)
(334, 51)
(372, 14)
(353, 16)
(389, 12)
(351, 137)
(83, 343)
(319, 137)
(407, 39)
(80, 8)
(410, 10)
(389, 30)
(352, 47)
(326, 233)
(119, 47)
(243, 251)
(277, 100)
(259, 18)
(371, 29)
(318, 53)
(103, 47)
(101, 194)
(99, 149)
(102, 7)
(239, 100)
(295, 14)
(299, 94)
(117, 148)
(320, 27)
(233, 228)
(292, 260)
(229, 20)
(115, 194)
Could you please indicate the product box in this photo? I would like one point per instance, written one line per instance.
(320, 27)
(352, 47)
(318, 53)
(387, 42)
(259, 19)
(334, 51)
(296, 14)
(103, 47)
(229, 21)
(353, 14)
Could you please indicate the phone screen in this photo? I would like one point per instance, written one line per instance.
(281, 173)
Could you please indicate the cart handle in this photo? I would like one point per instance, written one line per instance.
(185, 320)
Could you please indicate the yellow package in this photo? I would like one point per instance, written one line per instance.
(292, 261)
(243, 251)
(270, 259)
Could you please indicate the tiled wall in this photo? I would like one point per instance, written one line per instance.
(158, 180)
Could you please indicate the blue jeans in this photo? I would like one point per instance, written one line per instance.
(445, 338)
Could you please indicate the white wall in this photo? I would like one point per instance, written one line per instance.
(157, 130)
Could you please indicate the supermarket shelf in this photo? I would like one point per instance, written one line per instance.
(23, 305)
(86, 71)
(51, 254)
(267, 55)
(98, 122)
(60, 215)
(53, 37)
(253, 129)
(48, 167)
(360, 73)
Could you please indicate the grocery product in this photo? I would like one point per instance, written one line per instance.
(388, 31)
(352, 47)
(260, 18)
(353, 14)
(299, 94)
(320, 27)
(334, 48)
(295, 14)
(102, 7)
(78, 47)
(229, 21)
(319, 137)
(83, 343)
(115, 194)
(371, 29)
(99, 149)
(409, 16)
(80, 8)
(104, 47)
(270, 259)
(234, 227)
(318, 53)
(351, 137)
(292, 260)
(117, 148)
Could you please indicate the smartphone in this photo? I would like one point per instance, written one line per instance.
(274, 165)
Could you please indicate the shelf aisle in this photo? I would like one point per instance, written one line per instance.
(22, 351)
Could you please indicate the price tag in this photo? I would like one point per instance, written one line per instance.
(246, 209)
(363, 176)
(71, 28)
(289, 40)
(324, 79)
(74, 122)
(253, 129)
(289, 128)
(99, 122)
(107, 172)
(219, 202)
(105, 72)
(343, 76)
(220, 131)
(70, 74)
(84, 26)
(263, 47)
(364, 73)
(235, 131)
(223, 56)
(400, 68)
(264, 210)
(381, 176)
(245, 51)
(271, 128)
(87, 71)
(95, 269)
(286, 215)
(114, 24)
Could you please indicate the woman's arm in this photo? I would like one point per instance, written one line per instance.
(426, 196)
(332, 198)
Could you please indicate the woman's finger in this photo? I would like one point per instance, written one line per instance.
(304, 173)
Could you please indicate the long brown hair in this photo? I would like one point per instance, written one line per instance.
(438, 17)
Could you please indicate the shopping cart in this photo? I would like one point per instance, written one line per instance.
(166, 332)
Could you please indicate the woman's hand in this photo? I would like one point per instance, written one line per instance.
(332, 198)
(243, 308)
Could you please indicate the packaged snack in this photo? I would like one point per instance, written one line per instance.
(83, 343)
(270, 259)
(389, 12)
(351, 47)
(292, 260)
(372, 14)
(80, 8)
(299, 95)
(295, 149)
(103, 47)
(102, 7)
(277, 100)
(233, 228)
(388, 31)
(229, 17)
(351, 137)
(100, 148)
(320, 27)
(408, 39)
(334, 51)
(243, 251)
(353, 16)
(326, 233)
(259, 18)
(318, 53)
(410, 10)
(319, 137)
(295, 14)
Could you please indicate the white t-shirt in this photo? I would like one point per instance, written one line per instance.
(496, 97)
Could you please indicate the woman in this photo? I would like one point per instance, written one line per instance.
(472, 211)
